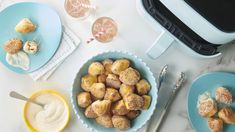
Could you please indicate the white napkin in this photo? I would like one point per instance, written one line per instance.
(68, 44)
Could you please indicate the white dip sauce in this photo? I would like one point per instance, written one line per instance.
(19, 59)
(52, 118)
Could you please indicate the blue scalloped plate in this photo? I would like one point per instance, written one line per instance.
(48, 32)
(208, 82)
(145, 73)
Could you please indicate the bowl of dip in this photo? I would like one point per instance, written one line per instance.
(53, 117)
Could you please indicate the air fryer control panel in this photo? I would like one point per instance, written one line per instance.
(220, 13)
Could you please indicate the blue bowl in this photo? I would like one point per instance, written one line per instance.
(135, 63)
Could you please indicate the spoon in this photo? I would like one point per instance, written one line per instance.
(16, 95)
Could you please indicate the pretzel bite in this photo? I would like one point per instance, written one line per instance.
(120, 65)
(147, 101)
(101, 107)
(98, 90)
(107, 66)
(31, 47)
(215, 124)
(129, 76)
(89, 113)
(126, 89)
(223, 95)
(112, 95)
(142, 87)
(25, 26)
(227, 115)
(133, 102)
(207, 108)
(96, 68)
(105, 120)
(13, 46)
(121, 122)
(87, 81)
(119, 108)
(113, 81)
(84, 99)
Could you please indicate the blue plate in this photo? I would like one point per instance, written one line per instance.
(145, 73)
(48, 32)
(208, 82)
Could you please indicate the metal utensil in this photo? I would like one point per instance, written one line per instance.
(162, 76)
(21, 97)
(175, 89)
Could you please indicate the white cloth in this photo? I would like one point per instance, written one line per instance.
(68, 44)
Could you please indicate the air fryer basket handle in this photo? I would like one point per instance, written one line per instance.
(160, 45)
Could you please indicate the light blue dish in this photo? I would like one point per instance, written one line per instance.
(136, 63)
(208, 82)
(48, 32)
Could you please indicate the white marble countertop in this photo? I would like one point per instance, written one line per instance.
(134, 35)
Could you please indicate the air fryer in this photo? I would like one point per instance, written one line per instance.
(201, 25)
